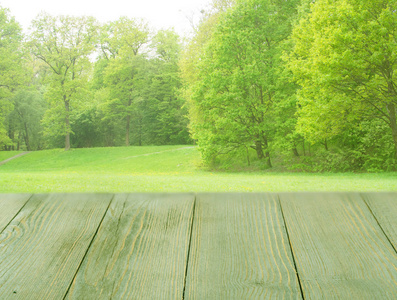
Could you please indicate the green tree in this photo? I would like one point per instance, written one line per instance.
(121, 42)
(109, 130)
(124, 81)
(194, 51)
(64, 44)
(123, 36)
(29, 108)
(11, 72)
(241, 79)
(164, 116)
(344, 57)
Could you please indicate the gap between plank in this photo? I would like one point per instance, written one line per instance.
(89, 246)
(17, 213)
(376, 219)
(290, 246)
(190, 243)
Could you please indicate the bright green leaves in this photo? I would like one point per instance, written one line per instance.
(240, 79)
(64, 44)
(11, 72)
(124, 36)
(101, 83)
(141, 86)
(120, 43)
(344, 57)
(167, 45)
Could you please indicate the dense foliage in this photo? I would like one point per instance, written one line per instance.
(73, 82)
(307, 85)
(241, 84)
(11, 73)
(288, 85)
(344, 58)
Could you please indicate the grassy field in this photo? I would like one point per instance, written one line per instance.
(7, 154)
(161, 169)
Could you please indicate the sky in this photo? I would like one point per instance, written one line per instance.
(159, 13)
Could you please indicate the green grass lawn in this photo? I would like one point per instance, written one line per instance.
(161, 169)
(7, 154)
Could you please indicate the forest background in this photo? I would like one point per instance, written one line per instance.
(294, 85)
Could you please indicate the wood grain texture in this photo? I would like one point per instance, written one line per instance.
(340, 251)
(10, 204)
(240, 249)
(140, 251)
(42, 248)
(384, 207)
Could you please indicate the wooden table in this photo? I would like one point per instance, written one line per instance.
(198, 246)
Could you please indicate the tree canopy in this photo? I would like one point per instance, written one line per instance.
(344, 58)
(241, 80)
(11, 72)
(64, 44)
(290, 85)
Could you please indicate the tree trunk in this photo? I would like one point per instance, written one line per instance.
(325, 144)
(260, 154)
(67, 123)
(127, 131)
(11, 135)
(27, 137)
(248, 157)
(391, 109)
(259, 150)
(127, 124)
(67, 141)
(19, 141)
(268, 161)
(295, 151)
(140, 132)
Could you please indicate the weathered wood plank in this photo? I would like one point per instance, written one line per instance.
(140, 251)
(240, 249)
(10, 204)
(42, 248)
(384, 207)
(339, 249)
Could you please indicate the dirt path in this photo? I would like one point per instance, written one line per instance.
(11, 158)
(147, 154)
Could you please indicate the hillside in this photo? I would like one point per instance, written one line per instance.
(161, 169)
(160, 159)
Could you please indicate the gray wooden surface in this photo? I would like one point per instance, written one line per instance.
(10, 205)
(42, 248)
(340, 250)
(198, 246)
(240, 249)
(140, 251)
(384, 208)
